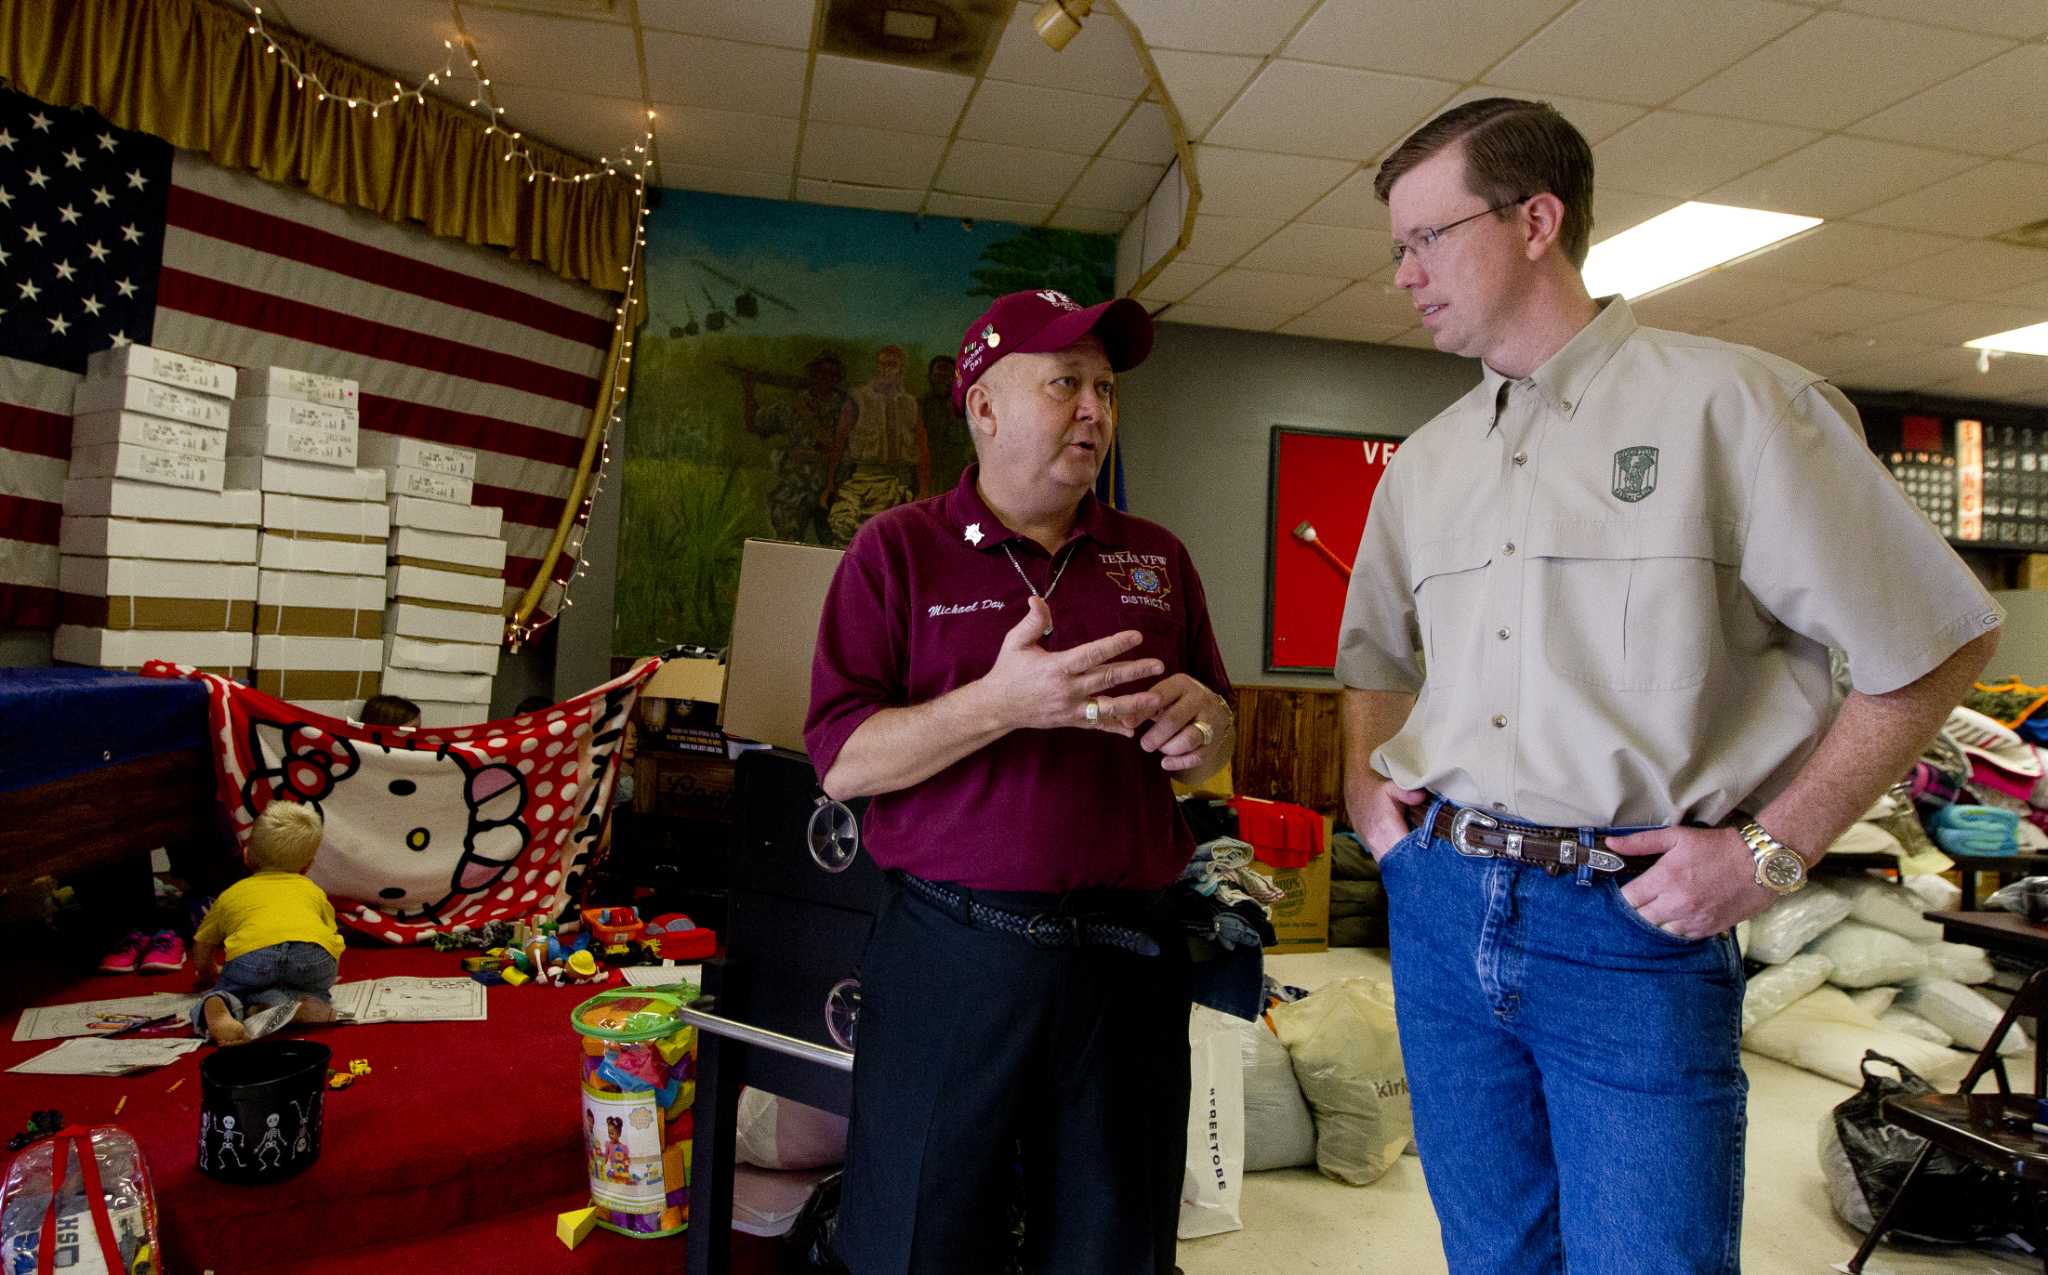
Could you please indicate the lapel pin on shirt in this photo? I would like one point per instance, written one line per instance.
(973, 534)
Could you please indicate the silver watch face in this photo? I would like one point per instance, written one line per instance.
(1782, 870)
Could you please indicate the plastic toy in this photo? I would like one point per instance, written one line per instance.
(359, 1067)
(582, 964)
(41, 1124)
(340, 1079)
(678, 938)
(614, 925)
(575, 1226)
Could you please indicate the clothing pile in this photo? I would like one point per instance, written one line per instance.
(1358, 902)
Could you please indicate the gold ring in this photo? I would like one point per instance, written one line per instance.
(1208, 731)
(1092, 711)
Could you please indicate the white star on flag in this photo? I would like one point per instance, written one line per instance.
(102, 196)
(72, 159)
(120, 339)
(97, 249)
(58, 325)
(93, 306)
(131, 234)
(107, 141)
(6, 140)
(29, 290)
(34, 233)
(137, 180)
(69, 214)
(41, 121)
(65, 270)
(3, 256)
(36, 178)
(6, 198)
(127, 288)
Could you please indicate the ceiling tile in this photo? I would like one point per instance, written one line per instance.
(1992, 109)
(1210, 316)
(723, 75)
(726, 139)
(1341, 329)
(1984, 201)
(1100, 59)
(2015, 377)
(1222, 240)
(869, 156)
(725, 181)
(1202, 84)
(1642, 51)
(1344, 252)
(1837, 68)
(1955, 324)
(781, 22)
(1238, 288)
(1304, 109)
(1145, 138)
(942, 204)
(1669, 153)
(1116, 184)
(877, 95)
(2033, 154)
(1773, 337)
(1176, 279)
(1596, 121)
(400, 37)
(1352, 204)
(2022, 21)
(1719, 295)
(849, 196)
(1048, 119)
(1967, 272)
(593, 127)
(1386, 37)
(554, 53)
(1845, 251)
(1239, 183)
(1834, 356)
(1009, 172)
(2033, 294)
(1912, 371)
(1843, 309)
(1368, 302)
(1094, 221)
(1216, 26)
(1617, 210)
(1838, 176)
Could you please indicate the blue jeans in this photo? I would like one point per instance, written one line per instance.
(275, 975)
(1578, 1087)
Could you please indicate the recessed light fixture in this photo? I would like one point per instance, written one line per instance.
(1675, 246)
(1059, 21)
(2028, 340)
(909, 24)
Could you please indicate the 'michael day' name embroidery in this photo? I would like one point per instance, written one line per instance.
(963, 608)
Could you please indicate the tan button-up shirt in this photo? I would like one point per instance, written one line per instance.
(1615, 582)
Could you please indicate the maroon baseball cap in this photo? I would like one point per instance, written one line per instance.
(1043, 322)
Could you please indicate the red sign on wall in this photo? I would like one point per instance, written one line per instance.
(1322, 483)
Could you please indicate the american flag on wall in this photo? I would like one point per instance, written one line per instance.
(108, 236)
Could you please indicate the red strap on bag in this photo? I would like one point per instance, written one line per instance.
(46, 1245)
(95, 1200)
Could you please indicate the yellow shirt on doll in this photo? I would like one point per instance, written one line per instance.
(268, 908)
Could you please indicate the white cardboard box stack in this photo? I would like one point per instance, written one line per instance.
(156, 560)
(319, 613)
(445, 582)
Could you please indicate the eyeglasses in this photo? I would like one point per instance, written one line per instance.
(1425, 238)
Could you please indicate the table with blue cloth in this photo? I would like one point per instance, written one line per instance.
(97, 766)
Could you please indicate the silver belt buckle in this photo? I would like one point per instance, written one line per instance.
(1461, 823)
(1605, 861)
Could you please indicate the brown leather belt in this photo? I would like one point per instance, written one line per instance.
(1476, 834)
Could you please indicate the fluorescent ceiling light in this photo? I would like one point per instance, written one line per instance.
(1679, 244)
(2027, 340)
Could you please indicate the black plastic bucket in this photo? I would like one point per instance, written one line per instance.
(259, 1110)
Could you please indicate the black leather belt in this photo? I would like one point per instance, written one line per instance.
(1041, 929)
(1478, 835)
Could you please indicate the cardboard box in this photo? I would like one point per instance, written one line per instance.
(359, 520)
(314, 418)
(336, 557)
(316, 684)
(147, 578)
(328, 482)
(120, 498)
(440, 657)
(175, 541)
(424, 584)
(439, 713)
(684, 784)
(147, 465)
(448, 688)
(352, 709)
(392, 452)
(442, 551)
(103, 428)
(293, 442)
(310, 387)
(421, 620)
(164, 366)
(774, 629)
(310, 604)
(1301, 921)
(163, 615)
(439, 515)
(74, 644)
(428, 485)
(679, 707)
(349, 655)
(151, 398)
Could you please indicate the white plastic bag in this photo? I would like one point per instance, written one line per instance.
(773, 1132)
(1888, 907)
(1936, 894)
(1959, 962)
(1279, 1132)
(1866, 956)
(1772, 990)
(1214, 1178)
(1905, 1020)
(1777, 934)
(1962, 1012)
(1826, 1034)
(1347, 1056)
(1874, 1001)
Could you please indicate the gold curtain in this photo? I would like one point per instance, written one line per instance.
(188, 71)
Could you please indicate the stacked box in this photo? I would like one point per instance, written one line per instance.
(445, 582)
(319, 608)
(156, 560)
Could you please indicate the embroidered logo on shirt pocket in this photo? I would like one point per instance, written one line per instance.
(1634, 605)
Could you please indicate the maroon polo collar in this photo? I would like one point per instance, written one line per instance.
(966, 510)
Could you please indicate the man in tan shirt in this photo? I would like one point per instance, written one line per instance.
(1595, 595)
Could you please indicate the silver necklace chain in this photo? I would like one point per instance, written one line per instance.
(1066, 556)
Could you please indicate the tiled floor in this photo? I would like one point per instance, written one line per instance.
(1298, 1221)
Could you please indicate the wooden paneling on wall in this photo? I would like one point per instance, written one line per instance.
(1289, 746)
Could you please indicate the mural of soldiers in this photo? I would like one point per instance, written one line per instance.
(945, 427)
(881, 434)
(801, 429)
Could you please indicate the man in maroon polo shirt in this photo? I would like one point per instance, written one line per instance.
(1013, 674)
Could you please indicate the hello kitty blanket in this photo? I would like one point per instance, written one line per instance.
(429, 830)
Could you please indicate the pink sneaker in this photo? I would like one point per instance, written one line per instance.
(125, 955)
(164, 952)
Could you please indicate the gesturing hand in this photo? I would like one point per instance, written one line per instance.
(1704, 884)
(1043, 690)
(1191, 726)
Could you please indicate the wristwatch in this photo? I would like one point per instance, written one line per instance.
(1778, 869)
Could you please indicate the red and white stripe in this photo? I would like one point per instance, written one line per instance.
(449, 342)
